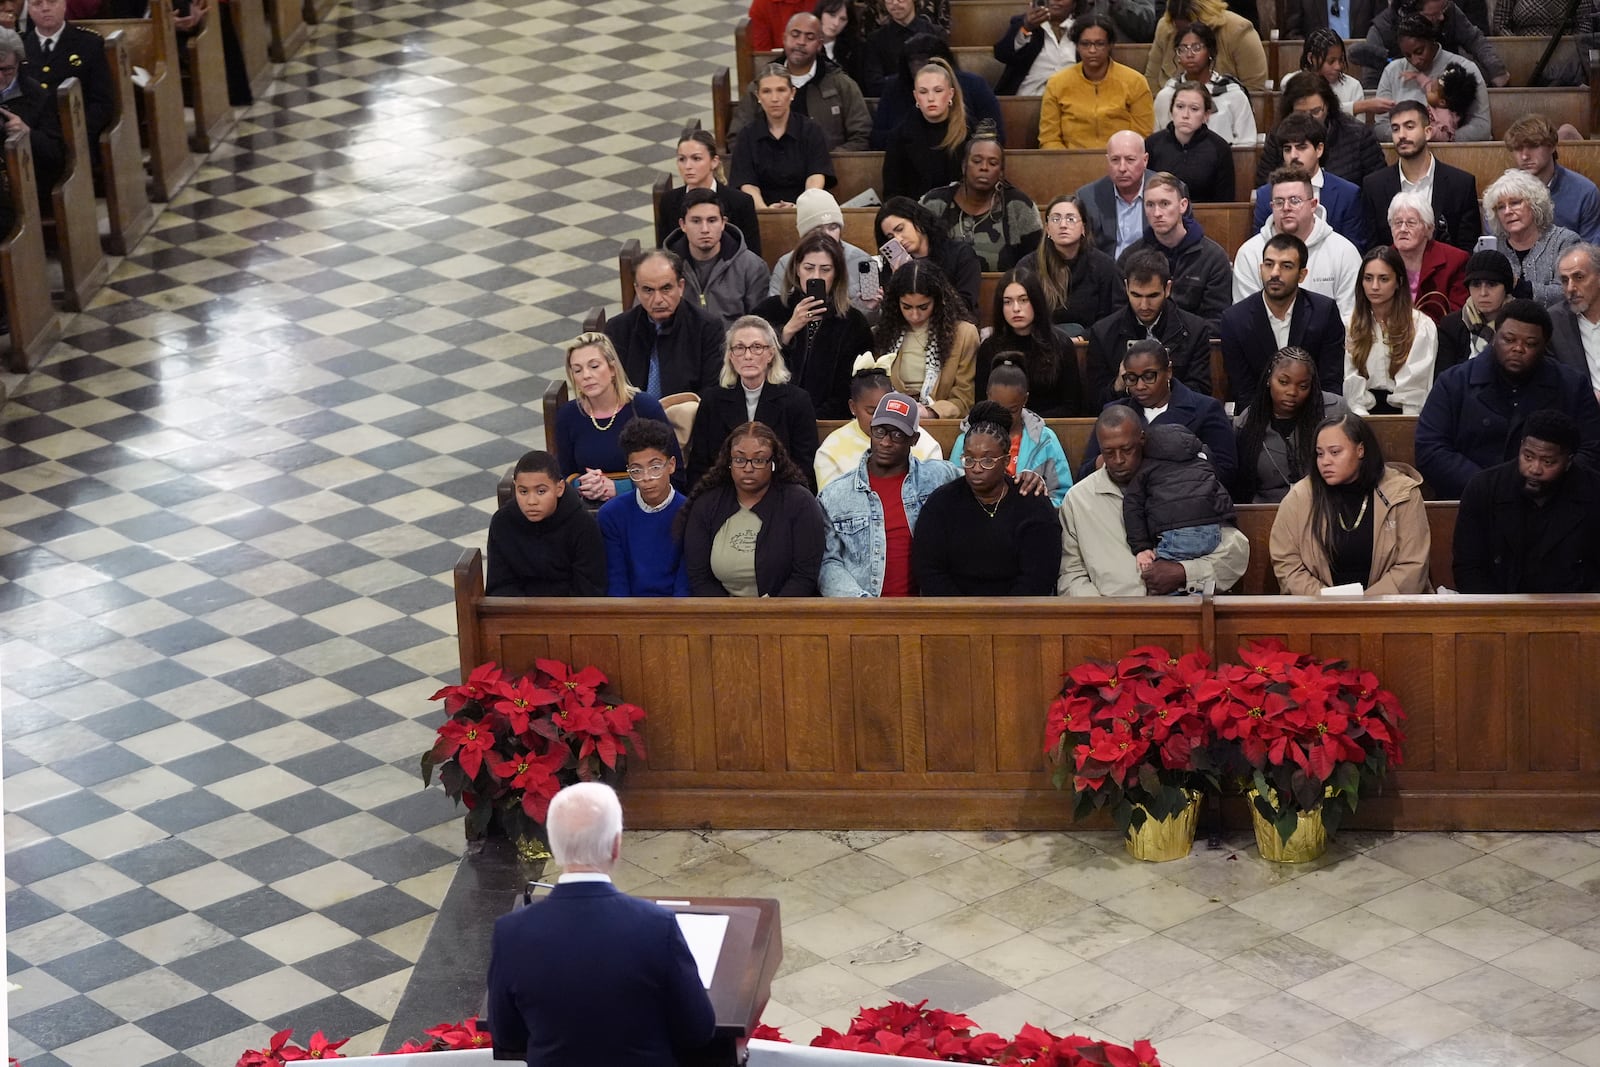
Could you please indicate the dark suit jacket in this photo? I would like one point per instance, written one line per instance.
(1018, 61)
(81, 54)
(1503, 544)
(1473, 418)
(786, 409)
(1303, 16)
(1201, 415)
(591, 975)
(1101, 196)
(37, 108)
(1566, 341)
(1458, 218)
(1248, 345)
(1341, 199)
(690, 348)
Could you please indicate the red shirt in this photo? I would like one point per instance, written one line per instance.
(769, 21)
(897, 580)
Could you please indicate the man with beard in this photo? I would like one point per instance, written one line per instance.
(1452, 191)
(1282, 314)
(1532, 525)
(1095, 557)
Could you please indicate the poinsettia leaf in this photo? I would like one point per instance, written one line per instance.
(477, 821)
(1287, 823)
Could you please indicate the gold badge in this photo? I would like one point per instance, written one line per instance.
(74, 60)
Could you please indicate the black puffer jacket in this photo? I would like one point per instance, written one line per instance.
(1174, 487)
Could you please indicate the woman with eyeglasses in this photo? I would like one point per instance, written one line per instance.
(1231, 116)
(754, 387)
(1435, 272)
(1238, 50)
(979, 535)
(752, 527)
(1160, 399)
(1081, 283)
(589, 426)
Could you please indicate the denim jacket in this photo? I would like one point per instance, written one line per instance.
(853, 561)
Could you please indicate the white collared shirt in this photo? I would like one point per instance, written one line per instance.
(1058, 52)
(583, 876)
(1152, 414)
(1590, 332)
(1280, 327)
(647, 509)
(1423, 186)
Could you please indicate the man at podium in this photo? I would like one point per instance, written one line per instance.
(590, 975)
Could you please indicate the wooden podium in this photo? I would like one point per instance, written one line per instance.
(741, 985)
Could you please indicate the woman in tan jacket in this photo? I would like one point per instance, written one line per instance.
(1239, 49)
(937, 349)
(1354, 520)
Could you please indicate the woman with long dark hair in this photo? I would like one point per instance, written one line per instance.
(999, 221)
(1354, 520)
(1389, 347)
(980, 536)
(1081, 283)
(936, 348)
(842, 35)
(751, 526)
(1277, 433)
(923, 237)
(1022, 326)
(821, 336)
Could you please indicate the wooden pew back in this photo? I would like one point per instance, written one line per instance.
(1255, 522)
(84, 267)
(205, 83)
(34, 326)
(128, 209)
(152, 43)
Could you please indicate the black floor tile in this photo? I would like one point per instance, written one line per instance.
(256, 910)
(225, 965)
(200, 1020)
(399, 860)
(130, 911)
(351, 965)
(98, 965)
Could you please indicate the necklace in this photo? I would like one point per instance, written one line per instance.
(596, 422)
(1352, 527)
(991, 509)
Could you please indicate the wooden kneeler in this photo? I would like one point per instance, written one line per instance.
(153, 44)
(286, 23)
(121, 159)
(84, 267)
(34, 326)
(205, 84)
(250, 26)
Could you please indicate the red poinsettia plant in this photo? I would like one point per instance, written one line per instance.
(916, 1031)
(282, 1050)
(1306, 732)
(510, 744)
(1130, 736)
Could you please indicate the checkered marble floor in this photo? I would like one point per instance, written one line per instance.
(231, 499)
(229, 503)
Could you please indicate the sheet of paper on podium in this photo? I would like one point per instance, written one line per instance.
(704, 933)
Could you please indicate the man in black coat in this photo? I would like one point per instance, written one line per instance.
(25, 107)
(1307, 320)
(1150, 314)
(1532, 525)
(665, 343)
(1457, 215)
(58, 50)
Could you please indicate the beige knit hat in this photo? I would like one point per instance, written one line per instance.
(816, 207)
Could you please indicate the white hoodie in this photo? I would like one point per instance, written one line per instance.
(1335, 267)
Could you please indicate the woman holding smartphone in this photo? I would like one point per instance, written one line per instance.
(912, 232)
(820, 333)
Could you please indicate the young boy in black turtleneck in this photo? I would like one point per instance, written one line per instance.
(545, 542)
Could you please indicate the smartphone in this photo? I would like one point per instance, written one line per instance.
(871, 287)
(817, 289)
(1487, 243)
(895, 253)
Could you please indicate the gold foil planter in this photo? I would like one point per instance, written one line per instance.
(531, 850)
(1308, 842)
(1161, 840)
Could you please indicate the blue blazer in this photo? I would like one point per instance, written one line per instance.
(1201, 415)
(1340, 199)
(590, 975)
(1248, 344)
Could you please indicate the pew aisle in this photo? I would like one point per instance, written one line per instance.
(229, 506)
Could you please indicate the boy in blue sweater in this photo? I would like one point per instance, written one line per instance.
(642, 556)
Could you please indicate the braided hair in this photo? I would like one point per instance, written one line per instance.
(1258, 419)
(989, 419)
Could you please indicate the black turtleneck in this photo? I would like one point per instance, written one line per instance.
(1351, 560)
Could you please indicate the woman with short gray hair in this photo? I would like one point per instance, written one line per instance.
(1522, 218)
(1435, 271)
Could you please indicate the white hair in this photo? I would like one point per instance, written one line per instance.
(1413, 202)
(584, 823)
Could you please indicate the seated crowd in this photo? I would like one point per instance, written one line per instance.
(1367, 289)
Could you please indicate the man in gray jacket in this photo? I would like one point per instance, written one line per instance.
(724, 277)
(822, 92)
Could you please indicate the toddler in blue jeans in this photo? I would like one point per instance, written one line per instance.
(1174, 507)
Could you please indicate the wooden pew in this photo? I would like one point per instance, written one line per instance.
(84, 267)
(1521, 55)
(928, 714)
(152, 43)
(128, 211)
(205, 84)
(316, 11)
(1255, 521)
(286, 28)
(1487, 160)
(34, 326)
(250, 26)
